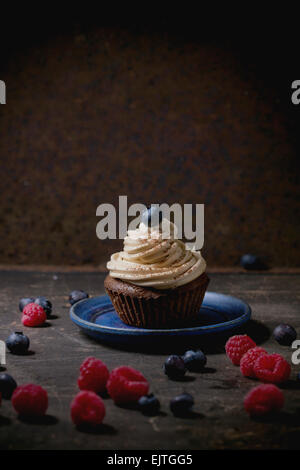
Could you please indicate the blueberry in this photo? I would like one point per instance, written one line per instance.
(285, 334)
(45, 304)
(174, 367)
(182, 404)
(152, 216)
(149, 405)
(249, 262)
(17, 343)
(23, 302)
(7, 385)
(77, 295)
(194, 361)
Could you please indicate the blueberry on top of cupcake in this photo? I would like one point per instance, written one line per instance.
(152, 216)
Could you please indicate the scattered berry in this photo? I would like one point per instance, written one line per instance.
(126, 385)
(17, 343)
(23, 302)
(30, 400)
(174, 367)
(152, 216)
(87, 408)
(77, 295)
(248, 360)
(263, 399)
(194, 361)
(237, 346)
(149, 405)
(182, 404)
(45, 304)
(93, 375)
(7, 386)
(249, 262)
(285, 334)
(33, 315)
(272, 368)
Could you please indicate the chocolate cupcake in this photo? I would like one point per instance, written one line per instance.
(156, 282)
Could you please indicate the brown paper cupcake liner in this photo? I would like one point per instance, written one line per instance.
(150, 308)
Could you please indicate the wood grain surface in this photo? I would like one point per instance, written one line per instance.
(219, 421)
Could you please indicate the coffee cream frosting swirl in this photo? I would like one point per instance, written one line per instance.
(149, 259)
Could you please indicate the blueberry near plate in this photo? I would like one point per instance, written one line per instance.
(7, 386)
(45, 304)
(24, 301)
(194, 361)
(97, 318)
(18, 343)
(174, 367)
(77, 295)
(252, 262)
(182, 404)
(285, 334)
(149, 405)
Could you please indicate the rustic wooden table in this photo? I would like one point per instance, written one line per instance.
(219, 421)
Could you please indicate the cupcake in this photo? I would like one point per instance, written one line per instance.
(156, 281)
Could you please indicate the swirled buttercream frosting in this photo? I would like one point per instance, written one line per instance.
(154, 257)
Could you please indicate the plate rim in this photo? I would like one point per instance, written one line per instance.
(151, 331)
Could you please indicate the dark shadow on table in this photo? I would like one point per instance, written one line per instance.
(104, 395)
(208, 370)
(26, 353)
(128, 406)
(160, 413)
(53, 317)
(282, 418)
(29, 353)
(135, 407)
(190, 415)
(212, 343)
(290, 385)
(185, 378)
(47, 420)
(44, 325)
(259, 332)
(98, 430)
(226, 384)
(4, 421)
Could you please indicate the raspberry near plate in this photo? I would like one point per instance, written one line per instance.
(98, 319)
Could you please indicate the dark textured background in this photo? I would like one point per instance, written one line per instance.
(161, 114)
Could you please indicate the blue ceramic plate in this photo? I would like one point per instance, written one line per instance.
(97, 318)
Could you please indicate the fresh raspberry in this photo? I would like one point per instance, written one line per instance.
(237, 346)
(87, 408)
(126, 384)
(30, 400)
(93, 375)
(33, 315)
(272, 368)
(248, 360)
(263, 399)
